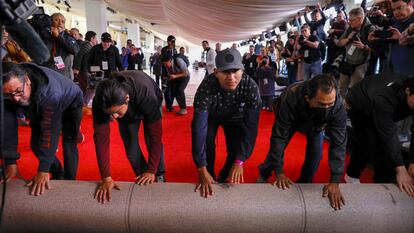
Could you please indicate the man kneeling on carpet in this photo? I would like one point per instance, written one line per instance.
(309, 107)
(231, 99)
(54, 104)
(129, 97)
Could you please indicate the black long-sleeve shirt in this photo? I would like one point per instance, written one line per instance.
(145, 103)
(293, 114)
(382, 98)
(212, 101)
(97, 55)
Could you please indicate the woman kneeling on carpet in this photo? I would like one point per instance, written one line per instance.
(129, 97)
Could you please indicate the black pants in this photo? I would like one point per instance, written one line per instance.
(365, 148)
(313, 156)
(68, 122)
(234, 131)
(168, 94)
(177, 90)
(157, 79)
(129, 134)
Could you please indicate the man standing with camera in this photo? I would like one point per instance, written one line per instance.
(400, 55)
(105, 57)
(355, 41)
(309, 48)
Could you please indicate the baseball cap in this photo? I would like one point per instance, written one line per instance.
(170, 38)
(106, 37)
(229, 59)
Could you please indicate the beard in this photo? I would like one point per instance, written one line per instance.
(24, 103)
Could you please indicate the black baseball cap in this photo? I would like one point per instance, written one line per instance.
(106, 37)
(171, 38)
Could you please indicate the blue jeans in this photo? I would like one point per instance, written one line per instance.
(310, 70)
(292, 75)
(313, 156)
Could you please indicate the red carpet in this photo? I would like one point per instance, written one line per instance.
(177, 142)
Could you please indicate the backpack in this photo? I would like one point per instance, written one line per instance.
(183, 57)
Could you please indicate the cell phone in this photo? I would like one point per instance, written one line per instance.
(383, 34)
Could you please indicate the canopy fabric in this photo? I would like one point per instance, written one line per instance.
(212, 20)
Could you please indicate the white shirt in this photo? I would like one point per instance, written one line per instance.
(211, 61)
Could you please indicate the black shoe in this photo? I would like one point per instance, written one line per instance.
(170, 110)
(57, 176)
(161, 179)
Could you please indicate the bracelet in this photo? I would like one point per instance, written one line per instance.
(239, 162)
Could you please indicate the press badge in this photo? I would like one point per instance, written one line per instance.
(104, 65)
(136, 66)
(265, 82)
(292, 63)
(306, 54)
(59, 62)
(251, 64)
(351, 50)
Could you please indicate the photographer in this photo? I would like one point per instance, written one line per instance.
(400, 56)
(249, 62)
(266, 76)
(318, 21)
(380, 15)
(308, 45)
(288, 53)
(335, 32)
(105, 56)
(355, 41)
(407, 36)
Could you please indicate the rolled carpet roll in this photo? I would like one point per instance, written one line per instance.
(175, 207)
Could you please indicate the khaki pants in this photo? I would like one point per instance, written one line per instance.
(346, 82)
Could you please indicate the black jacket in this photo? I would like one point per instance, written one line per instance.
(52, 94)
(293, 115)
(111, 55)
(382, 99)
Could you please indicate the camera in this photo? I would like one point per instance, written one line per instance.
(383, 34)
(263, 62)
(355, 37)
(301, 39)
(311, 7)
(95, 78)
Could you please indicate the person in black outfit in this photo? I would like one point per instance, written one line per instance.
(250, 64)
(288, 55)
(131, 97)
(309, 107)
(309, 48)
(54, 104)
(179, 77)
(165, 83)
(157, 65)
(105, 56)
(135, 58)
(227, 98)
(375, 105)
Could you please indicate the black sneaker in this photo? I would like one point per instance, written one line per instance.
(161, 179)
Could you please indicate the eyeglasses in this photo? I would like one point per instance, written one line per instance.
(16, 93)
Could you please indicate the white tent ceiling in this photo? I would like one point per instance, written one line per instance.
(213, 20)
